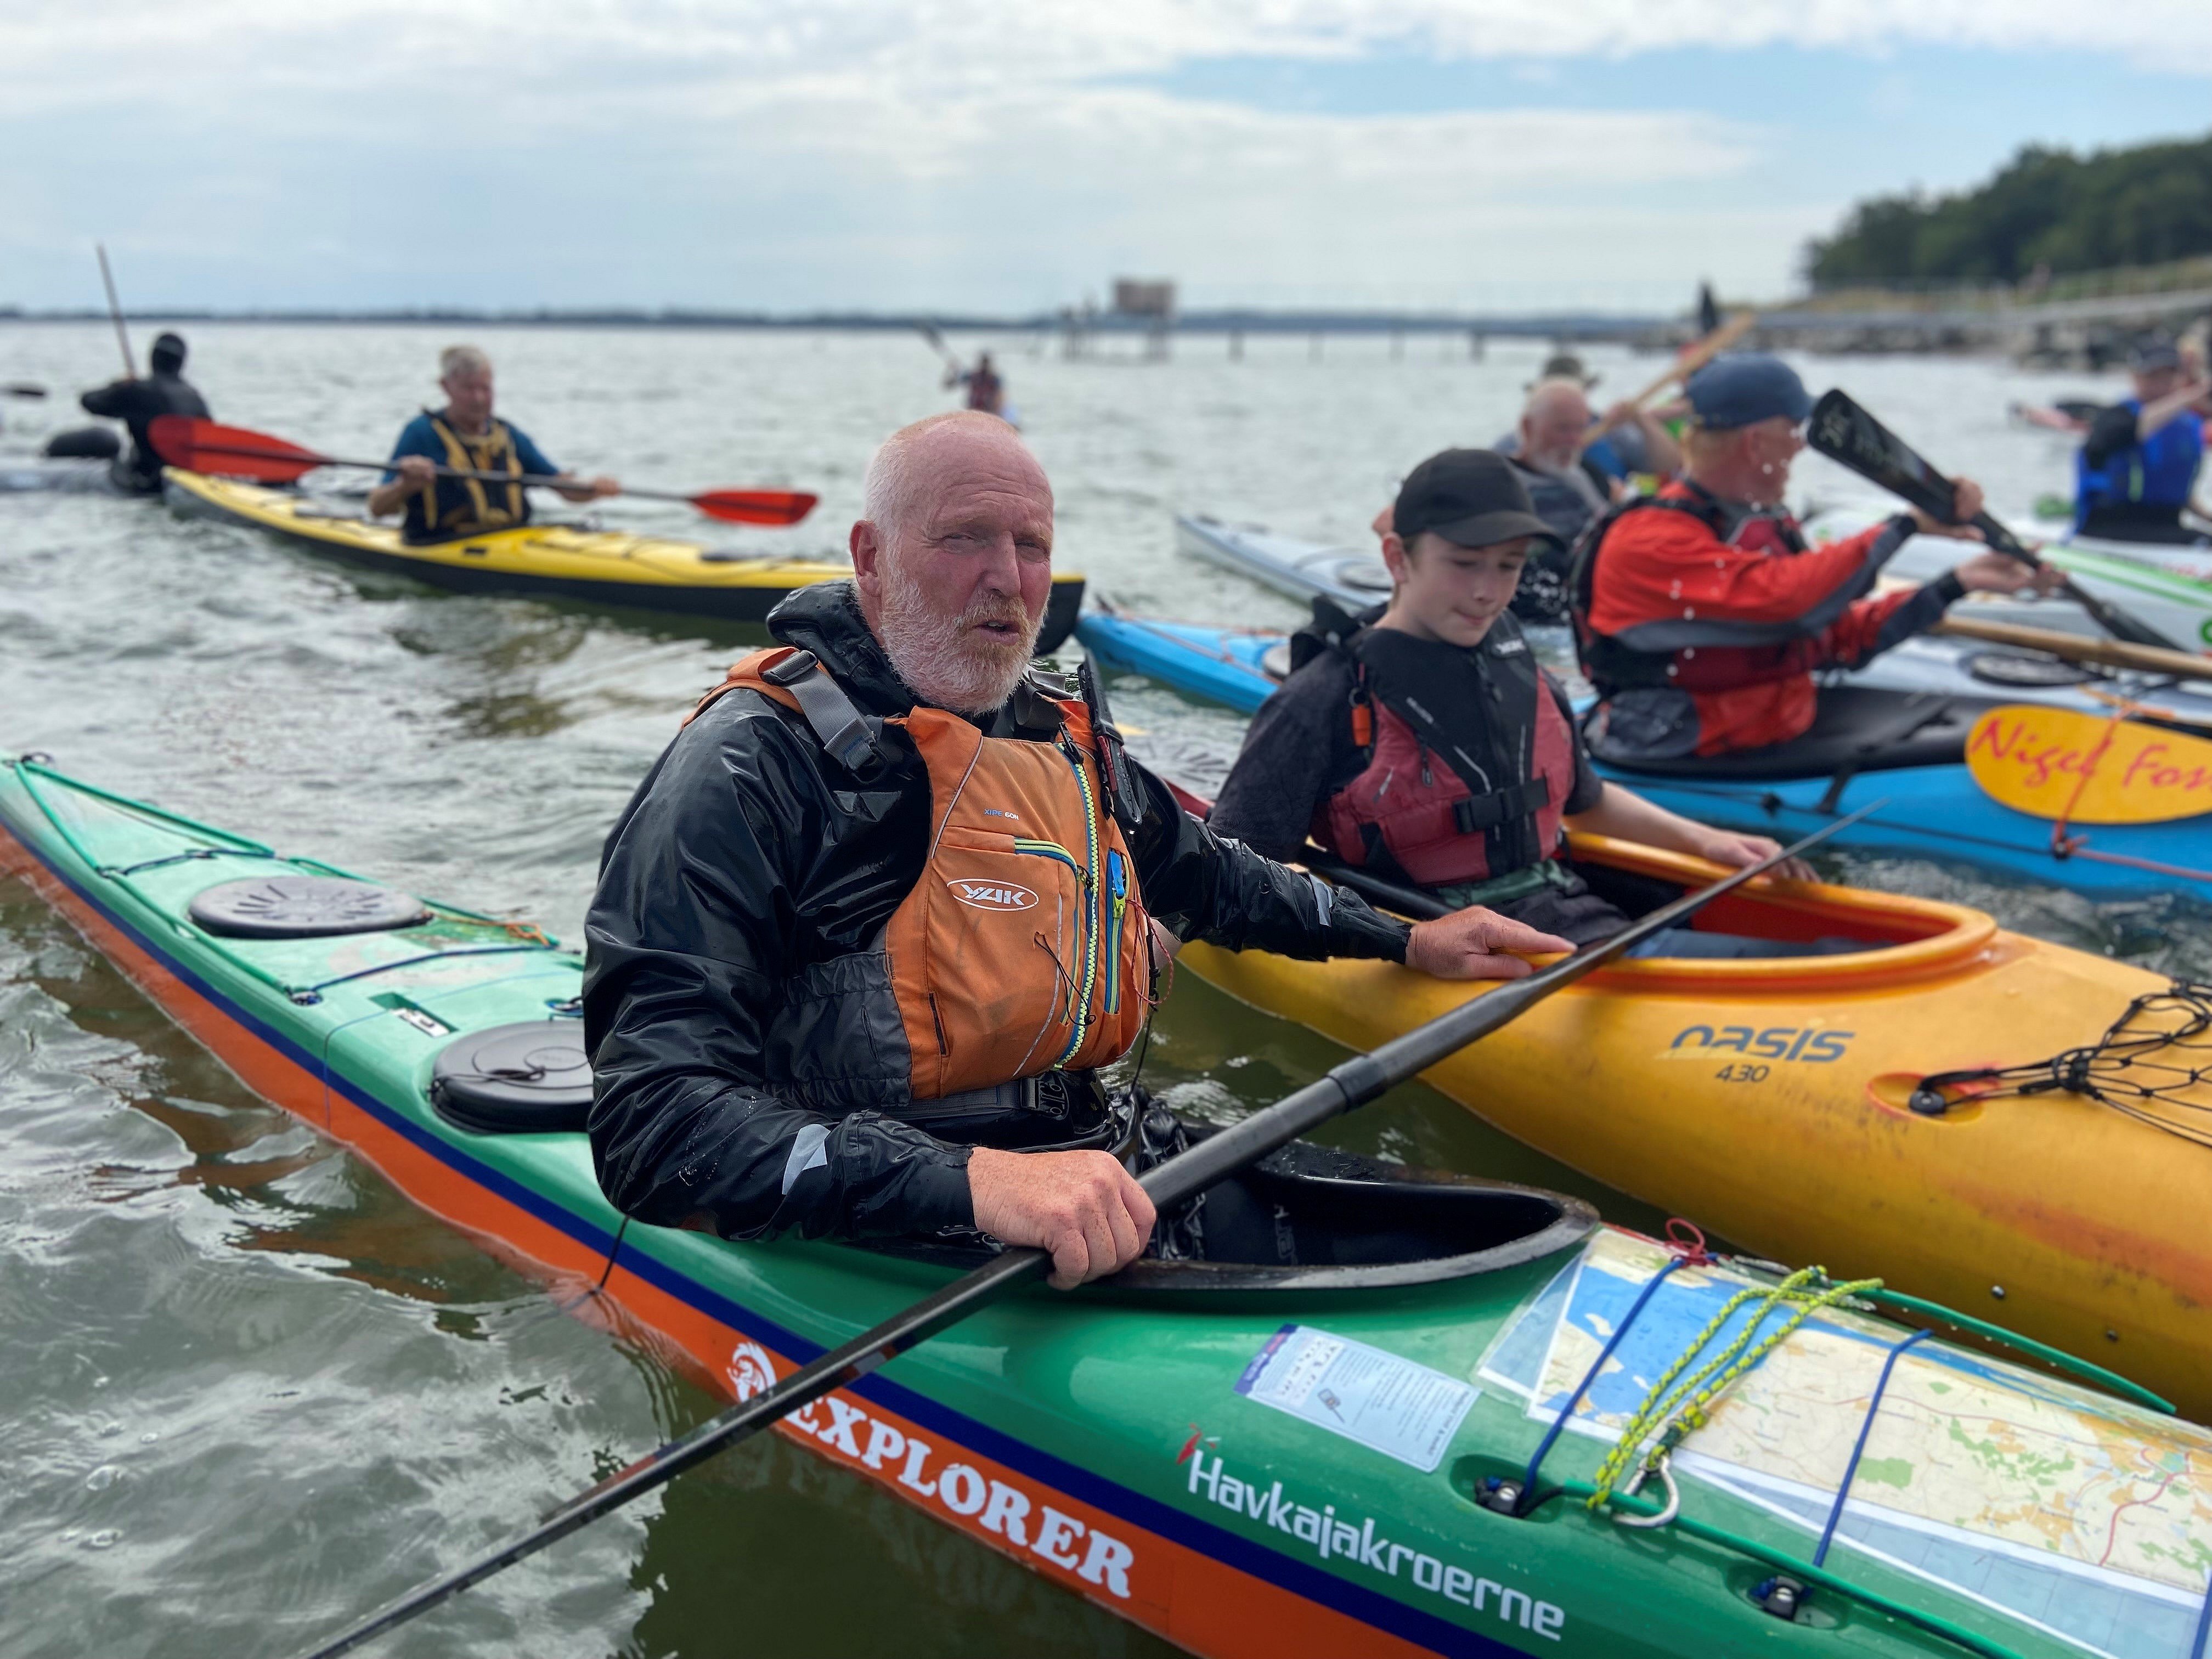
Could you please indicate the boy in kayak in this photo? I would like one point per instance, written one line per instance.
(1701, 615)
(870, 927)
(139, 404)
(2137, 466)
(465, 436)
(1423, 743)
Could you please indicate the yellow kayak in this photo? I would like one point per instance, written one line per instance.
(1773, 1101)
(546, 560)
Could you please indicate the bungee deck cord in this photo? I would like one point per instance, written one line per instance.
(2148, 1064)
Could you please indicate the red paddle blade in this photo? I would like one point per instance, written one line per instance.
(230, 451)
(755, 506)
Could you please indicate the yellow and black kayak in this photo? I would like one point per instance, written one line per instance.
(546, 560)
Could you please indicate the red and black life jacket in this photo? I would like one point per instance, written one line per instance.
(1470, 789)
(1614, 666)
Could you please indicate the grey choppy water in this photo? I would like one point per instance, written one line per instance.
(255, 1391)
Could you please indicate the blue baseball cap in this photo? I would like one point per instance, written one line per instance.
(1746, 386)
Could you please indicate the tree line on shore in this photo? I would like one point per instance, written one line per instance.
(2047, 212)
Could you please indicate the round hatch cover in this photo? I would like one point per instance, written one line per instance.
(2011, 668)
(530, 1078)
(304, 907)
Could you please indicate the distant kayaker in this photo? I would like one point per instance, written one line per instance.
(2136, 470)
(870, 927)
(986, 392)
(1700, 613)
(464, 436)
(1567, 488)
(139, 404)
(1423, 742)
(1624, 443)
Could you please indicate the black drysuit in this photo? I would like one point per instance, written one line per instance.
(746, 887)
(138, 405)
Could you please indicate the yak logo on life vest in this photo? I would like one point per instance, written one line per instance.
(992, 896)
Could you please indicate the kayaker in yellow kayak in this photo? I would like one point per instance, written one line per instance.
(466, 436)
(1423, 742)
(870, 927)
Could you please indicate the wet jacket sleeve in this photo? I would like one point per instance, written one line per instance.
(1282, 772)
(1667, 583)
(2113, 432)
(118, 400)
(687, 962)
(1203, 885)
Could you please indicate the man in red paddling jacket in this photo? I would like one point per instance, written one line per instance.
(1700, 612)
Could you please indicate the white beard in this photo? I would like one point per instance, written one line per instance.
(939, 657)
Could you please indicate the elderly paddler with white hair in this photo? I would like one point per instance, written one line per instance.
(879, 915)
(466, 436)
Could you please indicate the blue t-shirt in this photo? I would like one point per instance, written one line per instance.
(460, 506)
(416, 438)
(1618, 453)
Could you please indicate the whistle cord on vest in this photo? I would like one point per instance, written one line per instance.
(2152, 1064)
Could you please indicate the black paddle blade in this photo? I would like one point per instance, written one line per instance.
(1850, 437)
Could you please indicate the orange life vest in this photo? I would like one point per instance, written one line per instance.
(1023, 946)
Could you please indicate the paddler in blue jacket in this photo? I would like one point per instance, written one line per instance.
(2137, 469)
(871, 928)
(466, 436)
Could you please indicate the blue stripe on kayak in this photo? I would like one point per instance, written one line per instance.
(1303, 1578)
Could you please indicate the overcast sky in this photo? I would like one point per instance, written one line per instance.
(1011, 155)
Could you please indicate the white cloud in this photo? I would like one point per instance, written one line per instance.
(995, 153)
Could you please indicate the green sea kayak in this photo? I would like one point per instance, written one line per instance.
(1330, 1454)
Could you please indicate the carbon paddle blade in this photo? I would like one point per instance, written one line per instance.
(773, 506)
(230, 451)
(1850, 437)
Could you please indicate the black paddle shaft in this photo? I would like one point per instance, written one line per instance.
(1847, 435)
(1352, 1084)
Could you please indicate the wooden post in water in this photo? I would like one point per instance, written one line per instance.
(1397, 345)
(1474, 345)
(1236, 345)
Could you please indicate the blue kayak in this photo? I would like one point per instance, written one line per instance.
(1935, 810)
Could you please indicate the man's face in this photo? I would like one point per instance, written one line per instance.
(468, 396)
(1553, 429)
(1770, 445)
(1450, 592)
(2152, 384)
(957, 589)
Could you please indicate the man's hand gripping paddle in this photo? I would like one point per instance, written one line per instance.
(1352, 1084)
(1847, 435)
(233, 452)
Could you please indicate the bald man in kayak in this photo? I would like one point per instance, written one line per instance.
(1701, 615)
(870, 927)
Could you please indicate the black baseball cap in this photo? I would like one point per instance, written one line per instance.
(1470, 497)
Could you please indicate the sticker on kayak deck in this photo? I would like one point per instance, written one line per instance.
(1390, 1405)
(2088, 768)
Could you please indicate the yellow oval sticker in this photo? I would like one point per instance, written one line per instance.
(2088, 768)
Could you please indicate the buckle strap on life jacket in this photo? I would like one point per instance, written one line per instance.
(1477, 813)
(848, 735)
(1124, 796)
